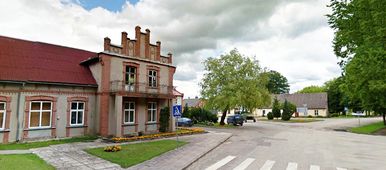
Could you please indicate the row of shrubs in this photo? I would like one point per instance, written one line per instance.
(199, 115)
(287, 107)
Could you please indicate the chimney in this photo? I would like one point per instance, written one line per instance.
(158, 52)
(107, 43)
(170, 58)
(124, 43)
(137, 50)
(147, 44)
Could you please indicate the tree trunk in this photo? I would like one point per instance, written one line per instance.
(224, 114)
(384, 119)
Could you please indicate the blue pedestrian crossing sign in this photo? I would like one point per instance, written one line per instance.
(177, 111)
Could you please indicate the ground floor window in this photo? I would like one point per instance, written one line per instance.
(77, 113)
(129, 112)
(2, 115)
(316, 112)
(152, 112)
(40, 114)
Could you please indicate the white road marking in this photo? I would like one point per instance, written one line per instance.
(292, 166)
(267, 165)
(244, 164)
(314, 167)
(341, 168)
(221, 163)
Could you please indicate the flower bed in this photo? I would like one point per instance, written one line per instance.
(180, 131)
(115, 148)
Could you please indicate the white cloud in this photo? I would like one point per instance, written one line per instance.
(291, 37)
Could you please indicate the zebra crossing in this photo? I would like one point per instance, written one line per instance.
(268, 164)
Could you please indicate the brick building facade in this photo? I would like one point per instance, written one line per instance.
(49, 91)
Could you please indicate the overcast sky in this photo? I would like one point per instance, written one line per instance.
(289, 36)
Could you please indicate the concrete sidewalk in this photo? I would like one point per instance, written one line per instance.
(182, 157)
(72, 156)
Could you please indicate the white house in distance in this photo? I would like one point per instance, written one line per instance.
(314, 104)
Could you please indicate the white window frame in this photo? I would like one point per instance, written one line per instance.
(128, 114)
(152, 78)
(316, 112)
(152, 111)
(40, 114)
(77, 110)
(4, 112)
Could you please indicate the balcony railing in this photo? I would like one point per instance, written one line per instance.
(121, 86)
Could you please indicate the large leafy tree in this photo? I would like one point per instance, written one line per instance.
(360, 42)
(277, 83)
(312, 89)
(336, 98)
(233, 80)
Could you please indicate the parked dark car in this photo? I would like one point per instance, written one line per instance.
(184, 121)
(235, 120)
(250, 117)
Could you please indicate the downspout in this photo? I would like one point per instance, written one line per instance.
(18, 113)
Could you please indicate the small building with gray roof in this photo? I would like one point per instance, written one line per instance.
(314, 104)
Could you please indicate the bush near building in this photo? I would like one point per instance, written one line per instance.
(164, 119)
(202, 115)
(270, 116)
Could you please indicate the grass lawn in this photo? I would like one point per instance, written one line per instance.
(29, 145)
(23, 161)
(368, 129)
(132, 154)
(297, 120)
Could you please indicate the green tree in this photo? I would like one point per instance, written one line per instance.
(287, 112)
(360, 43)
(164, 119)
(231, 81)
(276, 108)
(186, 112)
(336, 96)
(277, 83)
(312, 89)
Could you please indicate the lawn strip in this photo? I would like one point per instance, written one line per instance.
(23, 161)
(29, 145)
(132, 154)
(368, 129)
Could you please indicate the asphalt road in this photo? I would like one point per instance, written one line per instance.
(303, 146)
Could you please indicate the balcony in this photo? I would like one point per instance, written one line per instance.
(141, 89)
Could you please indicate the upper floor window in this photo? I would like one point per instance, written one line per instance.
(2, 115)
(40, 114)
(152, 78)
(152, 112)
(130, 76)
(129, 112)
(77, 113)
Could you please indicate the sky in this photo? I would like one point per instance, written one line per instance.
(288, 36)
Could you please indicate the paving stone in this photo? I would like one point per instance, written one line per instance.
(71, 156)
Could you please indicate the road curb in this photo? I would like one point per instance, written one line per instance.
(8, 152)
(208, 151)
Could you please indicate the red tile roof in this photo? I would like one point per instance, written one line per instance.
(177, 93)
(22, 60)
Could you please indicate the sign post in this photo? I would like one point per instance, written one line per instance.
(177, 114)
(358, 114)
